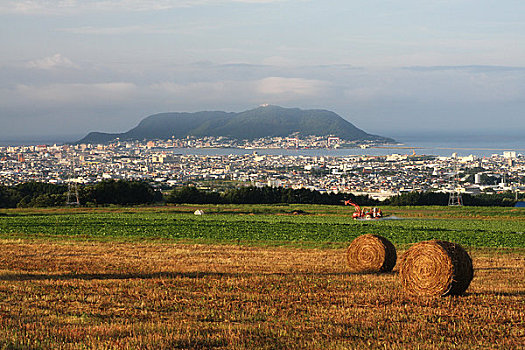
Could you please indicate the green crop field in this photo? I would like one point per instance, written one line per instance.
(249, 277)
(258, 225)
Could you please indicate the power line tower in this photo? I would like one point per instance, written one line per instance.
(455, 195)
(455, 198)
(72, 187)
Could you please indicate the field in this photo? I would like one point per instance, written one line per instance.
(248, 277)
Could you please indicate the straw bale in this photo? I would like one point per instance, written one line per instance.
(436, 268)
(371, 253)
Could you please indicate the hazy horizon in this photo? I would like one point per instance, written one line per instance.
(71, 67)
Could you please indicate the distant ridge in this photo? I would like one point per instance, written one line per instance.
(264, 121)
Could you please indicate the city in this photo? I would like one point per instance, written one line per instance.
(158, 163)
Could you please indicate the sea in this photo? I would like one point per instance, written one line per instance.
(480, 145)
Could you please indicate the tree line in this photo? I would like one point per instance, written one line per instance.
(263, 195)
(506, 199)
(39, 194)
(122, 192)
(272, 195)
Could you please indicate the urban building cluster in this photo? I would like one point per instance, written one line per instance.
(158, 163)
(294, 141)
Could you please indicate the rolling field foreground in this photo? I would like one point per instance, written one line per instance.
(144, 279)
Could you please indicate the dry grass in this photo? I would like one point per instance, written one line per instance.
(66, 295)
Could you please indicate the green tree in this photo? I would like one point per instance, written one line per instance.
(121, 192)
(8, 197)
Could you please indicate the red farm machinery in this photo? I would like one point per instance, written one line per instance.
(364, 213)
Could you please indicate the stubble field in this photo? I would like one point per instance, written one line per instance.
(63, 292)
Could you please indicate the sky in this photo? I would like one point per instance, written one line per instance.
(68, 67)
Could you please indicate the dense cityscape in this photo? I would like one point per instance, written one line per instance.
(158, 163)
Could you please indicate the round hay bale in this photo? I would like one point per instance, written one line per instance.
(371, 253)
(436, 268)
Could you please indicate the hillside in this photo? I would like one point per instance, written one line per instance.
(267, 121)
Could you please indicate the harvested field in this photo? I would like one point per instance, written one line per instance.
(76, 295)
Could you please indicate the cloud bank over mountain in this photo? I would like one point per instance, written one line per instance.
(73, 66)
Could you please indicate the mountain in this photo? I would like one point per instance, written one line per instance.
(265, 121)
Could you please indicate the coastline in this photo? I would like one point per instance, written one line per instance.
(430, 147)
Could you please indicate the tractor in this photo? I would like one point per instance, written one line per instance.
(364, 213)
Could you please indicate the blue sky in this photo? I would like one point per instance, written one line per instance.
(69, 67)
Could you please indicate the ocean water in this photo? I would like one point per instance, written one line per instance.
(480, 144)
(40, 140)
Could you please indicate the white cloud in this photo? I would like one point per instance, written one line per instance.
(165, 95)
(51, 62)
(64, 7)
(278, 61)
(116, 30)
(290, 86)
(461, 85)
(198, 90)
(84, 94)
(282, 89)
(36, 6)
(438, 95)
(135, 29)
